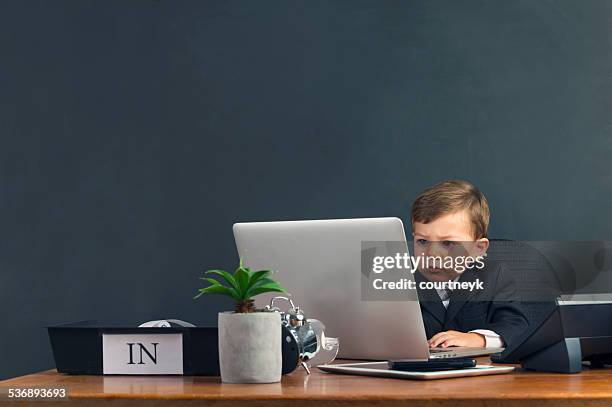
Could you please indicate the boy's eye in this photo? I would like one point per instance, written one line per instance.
(448, 243)
(422, 242)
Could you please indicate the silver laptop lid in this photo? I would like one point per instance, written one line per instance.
(319, 262)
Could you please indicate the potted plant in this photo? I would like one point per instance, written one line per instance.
(249, 340)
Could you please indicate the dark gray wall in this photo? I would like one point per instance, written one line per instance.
(133, 134)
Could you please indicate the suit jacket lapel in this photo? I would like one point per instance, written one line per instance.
(430, 300)
(458, 298)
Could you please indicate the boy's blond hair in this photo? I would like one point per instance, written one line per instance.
(451, 196)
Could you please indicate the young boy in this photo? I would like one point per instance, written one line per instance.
(451, 219)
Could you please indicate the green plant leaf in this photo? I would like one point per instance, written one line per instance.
(215, 283)
(265, 289)
(242, 279)
(220, 289)
(212, 281)
(226, 276)
(240, 286)
(256, 276)
(248, 271)
(262, 281)
(271, 286)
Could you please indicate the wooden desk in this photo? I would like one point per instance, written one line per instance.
(521, 388)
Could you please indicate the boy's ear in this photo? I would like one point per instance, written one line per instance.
(482, 245)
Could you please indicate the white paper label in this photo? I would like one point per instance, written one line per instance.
(142, 354)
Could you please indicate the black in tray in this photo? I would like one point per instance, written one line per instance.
(77, 347)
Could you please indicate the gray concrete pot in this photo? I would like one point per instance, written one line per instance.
(250, 347)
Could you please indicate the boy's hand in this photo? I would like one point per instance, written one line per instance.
(455, 338)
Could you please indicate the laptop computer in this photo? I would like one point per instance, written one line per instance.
(381, 369)
(319, 263)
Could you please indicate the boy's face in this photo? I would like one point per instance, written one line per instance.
(449, 235)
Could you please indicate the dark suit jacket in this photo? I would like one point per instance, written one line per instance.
(496, 307)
